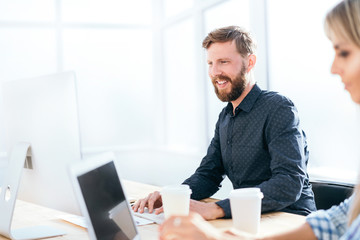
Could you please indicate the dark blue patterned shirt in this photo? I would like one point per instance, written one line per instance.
(261, 145)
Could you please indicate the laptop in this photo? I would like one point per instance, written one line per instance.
(102, 199)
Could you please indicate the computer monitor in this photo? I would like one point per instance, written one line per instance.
(44, 112)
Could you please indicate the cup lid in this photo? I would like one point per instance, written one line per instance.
(180, 189)
(246, 192)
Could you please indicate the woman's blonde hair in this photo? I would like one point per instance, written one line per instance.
(344, 22)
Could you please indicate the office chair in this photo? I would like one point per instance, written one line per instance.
(329, 193)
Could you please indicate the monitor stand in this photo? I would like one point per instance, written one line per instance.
(8, 193)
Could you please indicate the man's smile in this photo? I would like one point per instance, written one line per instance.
(222, 83)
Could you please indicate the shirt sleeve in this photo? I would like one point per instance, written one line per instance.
(330, 224)
(208, 176)
(353, 231)
(287, 147)
(225, 205)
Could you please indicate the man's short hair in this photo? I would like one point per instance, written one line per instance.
(245, 45)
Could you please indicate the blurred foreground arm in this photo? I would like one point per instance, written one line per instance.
(193, 227)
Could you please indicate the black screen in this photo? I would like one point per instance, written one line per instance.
(106, 204)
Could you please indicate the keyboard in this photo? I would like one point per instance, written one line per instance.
(150, 216)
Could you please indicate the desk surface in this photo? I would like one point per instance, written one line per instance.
(28, 214)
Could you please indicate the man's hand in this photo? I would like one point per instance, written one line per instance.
(209, 211)
(153, 200)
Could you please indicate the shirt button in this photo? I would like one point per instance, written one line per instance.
(228, 142)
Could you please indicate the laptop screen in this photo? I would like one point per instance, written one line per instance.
(106, 203)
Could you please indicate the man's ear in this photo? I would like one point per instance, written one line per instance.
(251, 62)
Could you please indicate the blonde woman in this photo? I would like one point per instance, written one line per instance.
(342, 26)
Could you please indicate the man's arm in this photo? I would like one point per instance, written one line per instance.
(287, 148)
(203, 183)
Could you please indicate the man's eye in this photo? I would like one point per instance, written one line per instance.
(224, 62)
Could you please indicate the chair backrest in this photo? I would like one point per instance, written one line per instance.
(329, 193)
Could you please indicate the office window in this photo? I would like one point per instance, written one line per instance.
(300, 59)
(234, 12)
(107, 43)
(173, 8)
(114, 72)
(27, 10)
(21, 59)
(183, 112)
(39, 49)
(107, 11)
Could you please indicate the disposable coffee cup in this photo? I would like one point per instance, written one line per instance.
(245, 206)
(176, 200)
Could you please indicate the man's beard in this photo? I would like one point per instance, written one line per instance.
(238, 85)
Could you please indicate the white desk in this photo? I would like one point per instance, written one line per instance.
(27, 214)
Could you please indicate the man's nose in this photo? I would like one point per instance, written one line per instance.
(214, 71)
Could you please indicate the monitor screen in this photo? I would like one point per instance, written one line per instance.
(44, 112)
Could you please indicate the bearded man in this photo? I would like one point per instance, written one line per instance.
(257, 142)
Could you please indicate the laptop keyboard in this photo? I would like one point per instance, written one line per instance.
(151, 216)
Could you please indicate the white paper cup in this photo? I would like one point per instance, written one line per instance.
(246, 209)
(176, 200)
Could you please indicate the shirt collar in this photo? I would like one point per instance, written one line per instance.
(248, 102)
